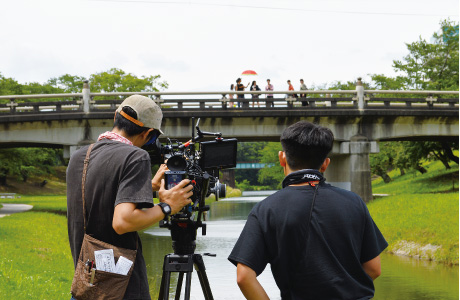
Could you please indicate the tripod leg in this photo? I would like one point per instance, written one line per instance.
(164, 288)
(201, 270)
(188, 283)
(179, 285)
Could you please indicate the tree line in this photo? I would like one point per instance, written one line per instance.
(24, 163)
(113, 80)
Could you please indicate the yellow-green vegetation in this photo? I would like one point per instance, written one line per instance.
(231, 192)
(421, 216)
(35, 259)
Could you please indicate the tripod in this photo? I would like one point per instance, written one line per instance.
(184, 265)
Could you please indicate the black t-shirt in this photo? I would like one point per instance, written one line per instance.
(240, 87)
(341, 236)
(117, 173)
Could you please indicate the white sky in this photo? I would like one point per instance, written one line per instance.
(204, 45)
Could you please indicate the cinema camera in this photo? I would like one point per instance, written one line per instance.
(199, 161)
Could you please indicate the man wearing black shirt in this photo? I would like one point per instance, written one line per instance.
(240, 88)
(320, 241)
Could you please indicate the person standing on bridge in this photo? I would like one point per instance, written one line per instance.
(230, 103)
(240, 88)
(303, 87)
(119, 188)
(320, 240)
(269, 88)
(255, 87)
(291, 88)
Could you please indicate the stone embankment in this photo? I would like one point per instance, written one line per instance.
(415, 250)
(9, 209)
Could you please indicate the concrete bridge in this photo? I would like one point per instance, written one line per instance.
(358, 118)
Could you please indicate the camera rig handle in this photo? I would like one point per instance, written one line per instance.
(201, 134)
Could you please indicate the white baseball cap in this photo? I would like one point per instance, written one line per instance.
(148, 112)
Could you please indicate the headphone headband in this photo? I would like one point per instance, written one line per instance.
(301, 176)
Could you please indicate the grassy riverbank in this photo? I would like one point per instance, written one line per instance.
(420, 217)
(35, 259)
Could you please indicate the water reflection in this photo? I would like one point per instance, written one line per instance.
(408, 278)
(402, 278)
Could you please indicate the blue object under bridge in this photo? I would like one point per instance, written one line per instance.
(251, 165)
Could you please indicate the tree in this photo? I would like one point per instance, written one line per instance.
(248, 152)
(272, 175)
(435, 65)
(27, 162)
(117, 80)
(382, 162)
(441, 151)
(381, 82)
(9, 86)
(68, 83)
(430, 65)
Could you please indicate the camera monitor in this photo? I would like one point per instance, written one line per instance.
(218, 154)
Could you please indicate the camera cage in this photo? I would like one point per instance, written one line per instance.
(201, 165)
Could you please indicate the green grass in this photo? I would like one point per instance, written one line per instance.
(436, 180)
(421, 208)
(420, 218)
(35, 259)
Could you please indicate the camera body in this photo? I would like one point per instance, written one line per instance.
(173, 178)
(199, 162)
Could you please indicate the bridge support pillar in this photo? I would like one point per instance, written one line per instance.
(69, 150)
(86, 96)
(228, 177)
(338, 172)
(360, 148)
(350, 167)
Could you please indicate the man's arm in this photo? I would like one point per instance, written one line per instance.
(248, 283)
(372, 267)
(128, 218)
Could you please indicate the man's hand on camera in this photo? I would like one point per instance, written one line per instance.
(156, 181)
(178, 196)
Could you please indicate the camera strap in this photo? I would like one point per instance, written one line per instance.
(302, 176)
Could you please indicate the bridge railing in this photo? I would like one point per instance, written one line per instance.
(304, 99)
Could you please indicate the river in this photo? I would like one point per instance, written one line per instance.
(402, 277)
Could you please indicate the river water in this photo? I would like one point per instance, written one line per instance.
(402, 277)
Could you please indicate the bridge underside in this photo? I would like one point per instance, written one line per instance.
(245, 128)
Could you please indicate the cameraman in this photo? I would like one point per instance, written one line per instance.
(320, 240)
(119, 187)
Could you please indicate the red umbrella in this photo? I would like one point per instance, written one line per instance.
(249, 72)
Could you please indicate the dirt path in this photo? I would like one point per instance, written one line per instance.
(9, 209)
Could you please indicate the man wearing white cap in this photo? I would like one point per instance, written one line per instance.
(119, 187)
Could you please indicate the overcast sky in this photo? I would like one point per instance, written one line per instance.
(206, 45)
